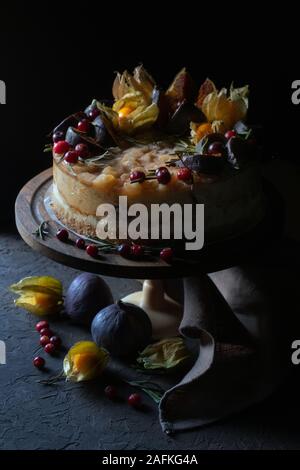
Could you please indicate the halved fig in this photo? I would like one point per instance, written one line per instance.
(182, 88)
(241, 128)
(101, 135)
(74, 137)
(93, 105)
(240, 151)
(206, 88)
(159, 98)
(185, 114)
(203, 163)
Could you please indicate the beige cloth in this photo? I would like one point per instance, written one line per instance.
(244, 318)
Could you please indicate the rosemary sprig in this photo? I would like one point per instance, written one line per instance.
(153, 390)
(247, 134)
(41, 231)
(47, 148)
(109, 153)
(70, 168)
(54, 379)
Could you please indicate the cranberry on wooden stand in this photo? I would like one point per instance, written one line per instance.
(92, 250)
(62, 235)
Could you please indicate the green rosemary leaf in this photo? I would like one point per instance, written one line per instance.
(70, 168)
(153, 390)
(41, 231)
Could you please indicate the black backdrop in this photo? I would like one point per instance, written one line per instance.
(54, 64)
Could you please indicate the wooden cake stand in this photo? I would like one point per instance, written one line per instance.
(165, 313)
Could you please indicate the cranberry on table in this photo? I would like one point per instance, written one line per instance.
(137, 251)
(166, 255)
(38, 362)
(46, 332)
(134, 399)
(216, 148)
(71, 156)
(230, 134)
(137, 176)
(56, 341)
(93, 113)
(83, 125)
(44, 340)
(124, 249)
(185, 174)
(111, 392)
(80, 243)
(57, 136)
(62, 235)
(41, 324)
(50, 348)
(92, 250)
(82, 150)
(60, 147)
(163, 175)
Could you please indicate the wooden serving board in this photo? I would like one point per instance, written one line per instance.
(30, 211)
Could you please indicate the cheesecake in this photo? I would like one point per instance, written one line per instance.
(183, 146)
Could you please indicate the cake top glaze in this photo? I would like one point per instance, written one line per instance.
(204, 127)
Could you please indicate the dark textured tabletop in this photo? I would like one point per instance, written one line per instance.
(79, 416)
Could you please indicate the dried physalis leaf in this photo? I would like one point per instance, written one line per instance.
(181, 89)
(40, 295)
(85, 361)
(164, 354)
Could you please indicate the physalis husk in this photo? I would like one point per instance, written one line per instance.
(40, 295)
(84, 361)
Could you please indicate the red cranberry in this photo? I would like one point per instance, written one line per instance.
(93, 113)
(163, 175)
(137, 176)
(230, 134)
(111, 392)
(41, 324)
(56, 341)
(38, 362)
(50, 348)
(124, 249)
(44, 340)
(62, 235)
(82, 150)
(80, 243)
(46, 332)
(57, 136)
(92, 250)
(185, 174)
(215, 148)
(166, 255)
(71, 156)
(137, 251)
(60, 147)
(134, 399)
(83, 125)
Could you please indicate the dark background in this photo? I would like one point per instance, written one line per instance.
(55, 62)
